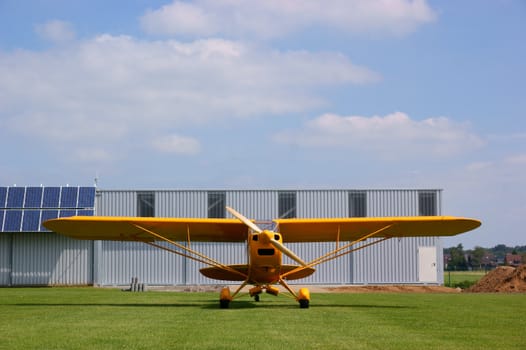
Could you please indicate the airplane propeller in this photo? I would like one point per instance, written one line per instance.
(244, 220)
(269, 235)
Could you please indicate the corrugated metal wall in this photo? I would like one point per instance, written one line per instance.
(322, 203)
(397, 202)
(227, 253)
(5, 258)
(181, 204)
(258, 205)
(120, 261)
(116, 203)
(334, 272)
(394, 261)
(391, 261)
(31, 255)
(46, 258)
(50, 259)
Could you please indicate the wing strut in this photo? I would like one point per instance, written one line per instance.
(188, 235)
(338, 238)
(200, 257)
(334, 256)
(239, 288)
(334, 253)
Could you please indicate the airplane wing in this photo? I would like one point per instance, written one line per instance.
(350, 229)
(233, 230)
(132, 228)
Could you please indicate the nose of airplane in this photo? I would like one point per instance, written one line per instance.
(266, 236)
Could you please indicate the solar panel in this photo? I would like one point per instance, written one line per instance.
(31, 220)
(51, 197)
(48, 215)
(86, 197)
(33, 197)
(15, 197)
(3, 196)
(25, 208)
(13, 219)
(68, 199)
(67, 213)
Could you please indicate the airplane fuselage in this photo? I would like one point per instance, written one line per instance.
(264, 260)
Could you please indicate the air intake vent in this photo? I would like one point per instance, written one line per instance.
(266, 251)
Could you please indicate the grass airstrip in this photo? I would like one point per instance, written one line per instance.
(97, 318)
(462, 278)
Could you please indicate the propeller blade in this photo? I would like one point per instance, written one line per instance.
(244, 220)
(275, 243)
(287, 252)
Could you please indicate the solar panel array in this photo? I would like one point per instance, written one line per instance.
(23, 209)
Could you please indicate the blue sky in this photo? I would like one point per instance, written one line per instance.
(276, 94)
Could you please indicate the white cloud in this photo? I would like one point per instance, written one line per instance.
(178, 18)
(93, 155)
(517, 159)
(110, 88)
(479, 166)
(274, 18)
(177, 144)
(393, 136)
(56, 31)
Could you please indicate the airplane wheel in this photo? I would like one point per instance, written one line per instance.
(223, 304)
(304, 304)
(256, 297)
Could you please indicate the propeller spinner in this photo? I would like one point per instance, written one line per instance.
(268, 235)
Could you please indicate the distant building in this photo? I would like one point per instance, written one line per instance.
(31, 255)
(512, 259)
(489, 260)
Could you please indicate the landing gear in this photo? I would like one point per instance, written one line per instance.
(225, 298)
(304, 304)
(224, 304)
(257, 290)
(304, 298)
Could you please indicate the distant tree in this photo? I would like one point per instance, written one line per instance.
(480, 257)
(477, 257)
(500, 251)
(458, 258)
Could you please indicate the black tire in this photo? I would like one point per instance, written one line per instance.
(224, 304)
(304, 304)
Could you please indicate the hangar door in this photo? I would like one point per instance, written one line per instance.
(427, 264)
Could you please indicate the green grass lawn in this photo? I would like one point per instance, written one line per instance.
(92, 318)
(462, 279)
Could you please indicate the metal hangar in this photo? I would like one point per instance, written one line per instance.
(31, 255)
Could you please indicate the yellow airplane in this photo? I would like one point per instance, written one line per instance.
(264, 268)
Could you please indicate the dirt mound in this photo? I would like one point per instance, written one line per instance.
(504, 279)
